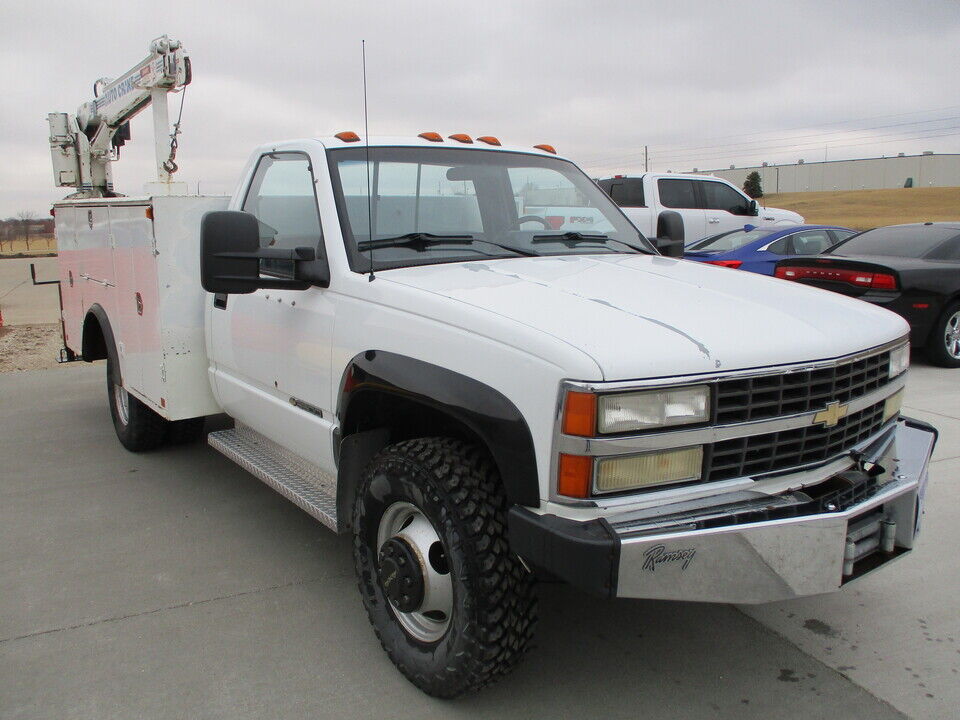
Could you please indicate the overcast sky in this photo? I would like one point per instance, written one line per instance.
(704, 84)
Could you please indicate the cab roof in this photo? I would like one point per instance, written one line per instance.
(445, 141)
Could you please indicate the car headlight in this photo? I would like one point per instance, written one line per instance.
(653, 409)
(899, 360)
(654, 468)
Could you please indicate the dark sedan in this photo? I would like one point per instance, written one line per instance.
(913, 270)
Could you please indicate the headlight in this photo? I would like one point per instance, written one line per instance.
(899, 360)
(655, 468)
(653, 409)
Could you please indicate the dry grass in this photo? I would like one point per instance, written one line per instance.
(29, 347)
(865, 209)
(39, 245)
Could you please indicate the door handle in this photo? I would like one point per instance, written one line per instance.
(713, 221)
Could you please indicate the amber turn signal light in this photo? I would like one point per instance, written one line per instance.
(580, 414)
(347, 136)
(574, 475)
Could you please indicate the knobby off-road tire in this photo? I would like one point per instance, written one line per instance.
(942, 346)
(138, 427)
(455, 487)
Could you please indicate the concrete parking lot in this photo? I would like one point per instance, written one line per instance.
(174, 585)
(22, 303)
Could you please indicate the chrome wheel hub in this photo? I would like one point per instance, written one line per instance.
(122, 401)
(951, 337)
(413, 572)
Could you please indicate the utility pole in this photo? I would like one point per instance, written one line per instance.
(646, 159)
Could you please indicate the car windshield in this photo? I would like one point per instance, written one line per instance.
(911, 241)
(726, 242)
(431, 205)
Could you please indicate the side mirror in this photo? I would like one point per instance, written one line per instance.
(670, 234)
(753, 209)
(230, 256)
(668, 247)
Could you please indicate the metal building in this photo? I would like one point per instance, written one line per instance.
(925, 170)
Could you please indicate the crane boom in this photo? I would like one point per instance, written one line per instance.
(83, 146)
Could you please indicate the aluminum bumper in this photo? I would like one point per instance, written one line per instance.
(730, 550)
(785, 558)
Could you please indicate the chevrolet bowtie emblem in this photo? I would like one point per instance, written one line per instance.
(831, 414)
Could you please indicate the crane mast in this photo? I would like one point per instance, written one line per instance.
(83, 146)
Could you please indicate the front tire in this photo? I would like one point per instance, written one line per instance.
(452, 606)
(943, 348)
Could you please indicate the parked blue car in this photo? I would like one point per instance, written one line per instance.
(757, 249)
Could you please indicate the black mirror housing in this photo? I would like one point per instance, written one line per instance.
(753, 208)
(230, 256)
(222, 234)
(670, 234)
(669, 247)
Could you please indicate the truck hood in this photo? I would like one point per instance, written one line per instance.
(642, 316)
(778, 216)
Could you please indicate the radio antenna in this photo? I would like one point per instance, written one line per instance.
(366, 145)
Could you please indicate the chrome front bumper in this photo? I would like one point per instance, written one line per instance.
(756, 562)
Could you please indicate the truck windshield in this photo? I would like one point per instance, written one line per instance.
(502, 204)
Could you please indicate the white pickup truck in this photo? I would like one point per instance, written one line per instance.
(465, 355)
(706, 204)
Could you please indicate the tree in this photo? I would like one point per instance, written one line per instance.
(751, 186)
(26, 217)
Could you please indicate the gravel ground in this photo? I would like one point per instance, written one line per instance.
(29, 347)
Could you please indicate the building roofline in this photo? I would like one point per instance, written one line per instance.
(817, 162)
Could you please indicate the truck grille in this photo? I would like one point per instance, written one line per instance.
(770, 396)
(782, 450)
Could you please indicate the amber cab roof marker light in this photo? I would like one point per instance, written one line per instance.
(461, 137)
(546, 148)
(489, 140)
(347, 136)
(431, 136)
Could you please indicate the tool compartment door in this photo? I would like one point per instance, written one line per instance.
(135, 316)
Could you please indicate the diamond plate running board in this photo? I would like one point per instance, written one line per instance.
(298, 480)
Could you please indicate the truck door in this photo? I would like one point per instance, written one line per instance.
(681, 195)
(726, 208)
(272, 347)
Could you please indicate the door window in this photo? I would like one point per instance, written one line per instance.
(780, 247)
(811, 242)
(678, 194)
(839, 235)
(282, 199)
(720, 196)
(628, 193)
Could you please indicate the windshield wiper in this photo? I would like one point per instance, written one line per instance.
(423, 240)
(572, 238)
(414, 240)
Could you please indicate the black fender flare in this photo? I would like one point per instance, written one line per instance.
(486, 412)
(89, 353)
